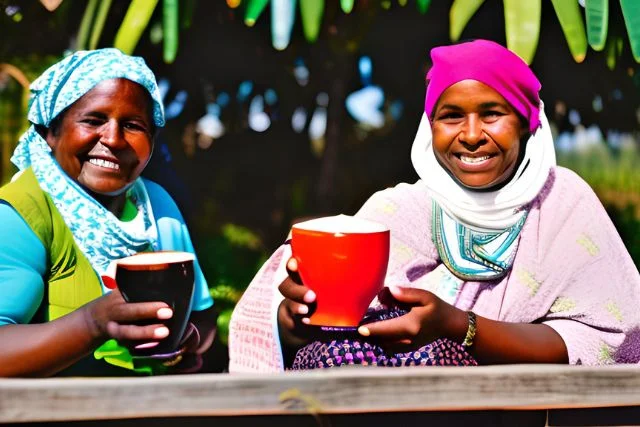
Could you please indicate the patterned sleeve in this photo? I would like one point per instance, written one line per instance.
(22, 267)
(593, 291)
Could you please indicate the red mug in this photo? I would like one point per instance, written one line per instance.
(343, 259)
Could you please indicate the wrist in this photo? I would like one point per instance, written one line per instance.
(457, 325)
(91, 328)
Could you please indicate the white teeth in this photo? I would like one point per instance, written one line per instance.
(467, 159)
(104, 164)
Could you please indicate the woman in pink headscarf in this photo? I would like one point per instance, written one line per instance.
(497, 254)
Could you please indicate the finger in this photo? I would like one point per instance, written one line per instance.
(125, 332)
(292, 314)
(292, 270)
(410, 296)
(295, 292)
(392, 330)
(130, 312)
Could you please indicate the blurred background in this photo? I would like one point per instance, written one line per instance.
(282, 109)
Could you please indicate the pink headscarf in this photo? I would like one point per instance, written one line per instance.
(488, 63)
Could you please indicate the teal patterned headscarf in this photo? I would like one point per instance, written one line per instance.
(99, 234)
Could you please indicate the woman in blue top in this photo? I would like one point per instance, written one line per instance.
(77, 204)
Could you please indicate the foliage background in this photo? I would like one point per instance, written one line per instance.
(241, 194)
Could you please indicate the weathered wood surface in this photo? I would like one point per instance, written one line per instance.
(333, 391)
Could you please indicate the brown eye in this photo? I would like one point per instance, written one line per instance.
(450, 116)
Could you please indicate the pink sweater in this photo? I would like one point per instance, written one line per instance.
(571, 272)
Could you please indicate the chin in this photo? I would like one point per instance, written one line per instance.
(478, 183)
(105, 190)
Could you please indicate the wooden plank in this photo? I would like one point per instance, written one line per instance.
(333, 391)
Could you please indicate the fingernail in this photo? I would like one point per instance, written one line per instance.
(161, 332)
(364, 331)
(305, 320)
(146, 345)
(309, 297)
(395, 289)
(292, 264)
(303, 309)
(164, 313)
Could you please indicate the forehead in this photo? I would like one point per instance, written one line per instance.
(469, 92)
(116, 94)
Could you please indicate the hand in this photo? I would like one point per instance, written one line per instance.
(428, 319)
(110, 316)
(296, 308)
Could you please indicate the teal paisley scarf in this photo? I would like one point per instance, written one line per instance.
(474, 255)
(99, 234)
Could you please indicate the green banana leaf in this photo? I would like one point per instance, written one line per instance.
(597, 12)
(311, 12)
(346, 5)
(522, 26)
(423, 5)
(253, 11)
(570, 18)
(85, 25)
(98, 25)
(459, 15)
(134, 23)
(631, 13)
(170, 28)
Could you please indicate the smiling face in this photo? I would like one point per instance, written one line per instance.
(104, 140)
(476, 134)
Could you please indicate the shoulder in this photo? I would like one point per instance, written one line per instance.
(406, 210)
(18, 241)
(567, 191)
(404, 198)
(161, 202)
(568, 180)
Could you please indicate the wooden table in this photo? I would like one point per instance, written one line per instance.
(493, 395)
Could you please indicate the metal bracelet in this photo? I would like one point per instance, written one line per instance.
(471, 331)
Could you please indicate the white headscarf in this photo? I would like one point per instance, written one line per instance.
(486, 210)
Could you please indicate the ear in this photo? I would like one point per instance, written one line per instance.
(52, 138)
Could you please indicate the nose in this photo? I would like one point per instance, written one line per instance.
(111, 135)
(472, 131)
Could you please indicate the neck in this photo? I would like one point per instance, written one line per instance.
(114, 204)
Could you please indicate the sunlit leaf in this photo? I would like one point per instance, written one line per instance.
(346, 5)
(459, 15)
(254, 10)
(597, 12)
(134, 23)
(631, 13)
(522, 27)
(423, 5)
(170, 28)
(311, 12)
(101, 17)
(570, 18)
(283, 14)
(85, 24)
(611, 56)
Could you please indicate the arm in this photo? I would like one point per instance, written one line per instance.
(44, 349)
(495, 342)
(498, 342)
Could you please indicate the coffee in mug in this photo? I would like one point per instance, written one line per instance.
(343, 259)
(165, 276)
